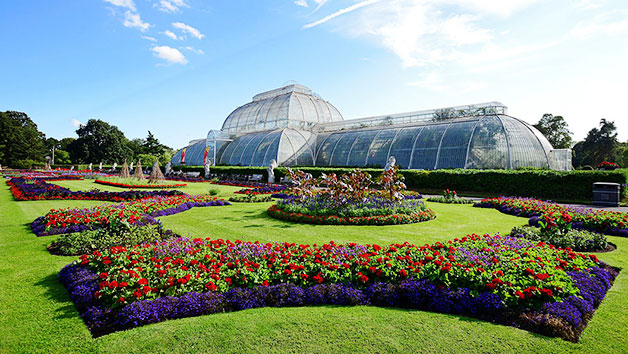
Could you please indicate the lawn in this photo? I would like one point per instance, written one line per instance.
(36, 314)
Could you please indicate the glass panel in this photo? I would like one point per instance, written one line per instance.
(237, 152)
(488, 146)
(378, 153)
(324, 154)
(339, 157)
(176, 159)
(453, 149)
(250, 149)
(426, 147)
(272, 151)
(401, 148)
(228, 151)
(357, 156)
(258, 155)
(303, 153)
(525, 149)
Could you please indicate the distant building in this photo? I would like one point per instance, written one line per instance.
(295, 126)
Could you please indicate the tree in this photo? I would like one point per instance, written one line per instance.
(152, 145)
(62, 157)
(599, 145)
(621, 155)
(99, 141)
(556, 131)
(137, 147)
(65, 143)
(21, 143)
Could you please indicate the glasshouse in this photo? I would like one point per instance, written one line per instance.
(294, 126)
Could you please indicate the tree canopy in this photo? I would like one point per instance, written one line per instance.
(556, 131)
(599, 145)
(99, 141)
(21, 143)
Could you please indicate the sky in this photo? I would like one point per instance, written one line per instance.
(179, 67)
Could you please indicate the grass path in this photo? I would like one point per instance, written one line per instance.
(36, 314)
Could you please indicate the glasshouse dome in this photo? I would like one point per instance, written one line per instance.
(294, 106)
(293, 126)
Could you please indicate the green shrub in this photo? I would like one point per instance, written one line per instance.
(578, 240)
(119, 234)
(450, 200)
(251, 199)
(214, 191)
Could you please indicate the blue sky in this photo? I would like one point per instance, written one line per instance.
(179, 67)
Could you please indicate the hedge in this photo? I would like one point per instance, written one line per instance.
(542, 184)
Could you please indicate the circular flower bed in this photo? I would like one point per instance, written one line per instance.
(373, 211)
(140, 185)
(251, 198)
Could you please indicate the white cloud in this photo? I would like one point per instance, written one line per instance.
(302, 3)
(171, 6)
(152, 39)
(188, 29)
(171, 55)
(340, 13)
(76, 123)
(193, 50)
(133, 20)
(129, 4)
(170, 34)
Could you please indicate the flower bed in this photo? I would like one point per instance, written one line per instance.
(38, 189)
(187, 179)
(607, 222)
(245, 184)
(508, 280)
(578, 240)
(449, 197)
(136, 212)
(268, 189)
(78, 243)
(320, 209)
(251, 198)
(383, 219)
(153, 186)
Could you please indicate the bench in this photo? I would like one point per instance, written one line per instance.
(192, 174)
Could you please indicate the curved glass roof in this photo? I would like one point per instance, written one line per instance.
(194, 154)
(286, 146)
(294, 106)
(495, 141)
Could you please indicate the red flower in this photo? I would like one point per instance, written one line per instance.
(547, 292)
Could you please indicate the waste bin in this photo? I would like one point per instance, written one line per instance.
(606, 194)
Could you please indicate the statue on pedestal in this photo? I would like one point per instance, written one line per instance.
(271, 171)
(90, 166)
(100, 166)
(390, 164)
(115, 164)
(168, 168)
(207, 165)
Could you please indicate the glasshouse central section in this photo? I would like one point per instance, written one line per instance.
(294, 126)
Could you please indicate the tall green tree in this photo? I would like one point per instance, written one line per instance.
(99, 141)
(152, 145)
(556, 130)
(21, 143)
(599, 145)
